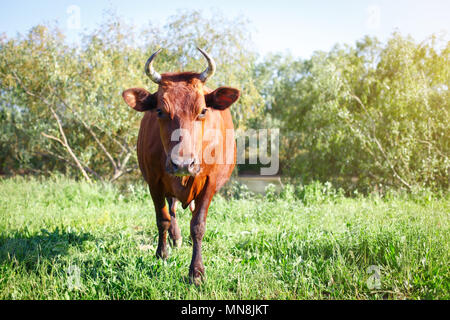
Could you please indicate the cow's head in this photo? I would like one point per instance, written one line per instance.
(181, 105)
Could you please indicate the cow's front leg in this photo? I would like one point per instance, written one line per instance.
(198, 227)
(162, 221)
(174, 229)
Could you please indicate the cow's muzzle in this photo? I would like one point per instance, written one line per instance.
(182, 167)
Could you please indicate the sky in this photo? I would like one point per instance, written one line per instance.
(297, 27)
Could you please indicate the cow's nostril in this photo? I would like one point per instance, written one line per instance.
(191, 165)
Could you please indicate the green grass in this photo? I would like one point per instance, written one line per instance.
(52, 229)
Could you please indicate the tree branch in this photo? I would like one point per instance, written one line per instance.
(53, 138)
(378, 144)
(66, 145)
(89, 129)
(64, 141)
(47, 152)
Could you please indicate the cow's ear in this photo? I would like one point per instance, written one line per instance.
(222, 98)
(139, 99)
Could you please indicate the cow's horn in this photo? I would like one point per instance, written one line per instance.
(151, 73)
(209, 71)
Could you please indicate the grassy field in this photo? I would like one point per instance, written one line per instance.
(61, 239)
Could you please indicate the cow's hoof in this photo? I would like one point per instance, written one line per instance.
(197, 276)
(177, 243)
(162, 254)
(197, 280)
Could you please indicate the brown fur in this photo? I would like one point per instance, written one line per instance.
(181, 97)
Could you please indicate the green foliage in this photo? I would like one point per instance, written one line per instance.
(271, 193)
(317, 192)
(253, 248)
(236, 190)
(288, 192)
(372, 116)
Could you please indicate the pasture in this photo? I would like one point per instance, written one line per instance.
(62, 239)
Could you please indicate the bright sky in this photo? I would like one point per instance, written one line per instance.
(296, 26)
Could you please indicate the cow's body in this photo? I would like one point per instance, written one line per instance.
(152, 160)
(176, 169)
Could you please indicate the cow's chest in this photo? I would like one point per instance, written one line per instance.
(185, 189)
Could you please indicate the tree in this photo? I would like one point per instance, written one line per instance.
(376, 114)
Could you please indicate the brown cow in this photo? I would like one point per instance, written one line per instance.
(170, 149)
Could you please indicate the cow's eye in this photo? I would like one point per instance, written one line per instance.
(159, 113)
(202, 114)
